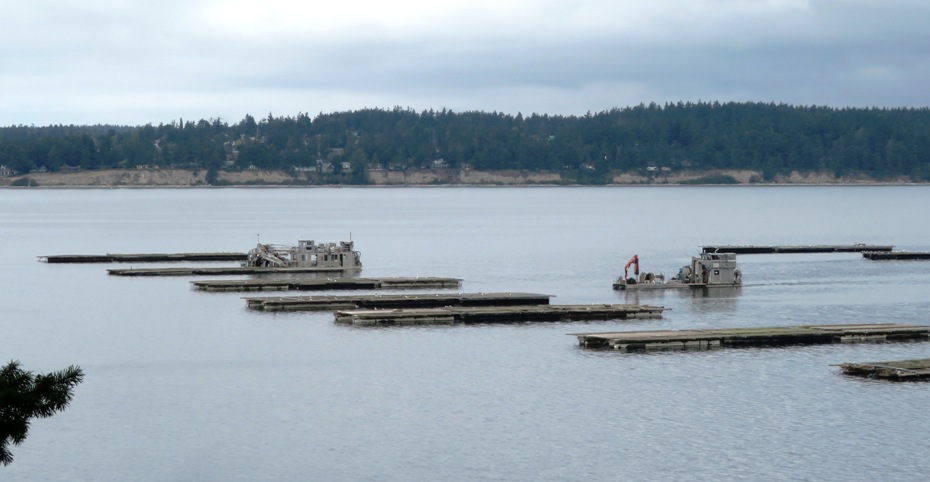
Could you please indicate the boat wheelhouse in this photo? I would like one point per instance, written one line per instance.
(307, 254)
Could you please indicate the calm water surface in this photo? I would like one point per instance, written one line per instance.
(184, 385)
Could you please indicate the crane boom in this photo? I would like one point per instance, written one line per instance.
(634, 261)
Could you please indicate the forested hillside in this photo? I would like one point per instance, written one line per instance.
(771, 138)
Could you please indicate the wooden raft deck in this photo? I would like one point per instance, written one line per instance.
(496, 314)
(894, 255)
(142, 257)
(822, 248)
(218, 271)
(890, 370)
(429, 300)
(327, 284)
(752, 337)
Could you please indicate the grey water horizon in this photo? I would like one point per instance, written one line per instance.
(186, 385)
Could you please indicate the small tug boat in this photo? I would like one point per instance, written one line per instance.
(709, 270)
(306, 254)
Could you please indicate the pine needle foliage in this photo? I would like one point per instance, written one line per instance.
(24, 396)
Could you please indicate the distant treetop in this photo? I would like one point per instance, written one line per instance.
(772, 138)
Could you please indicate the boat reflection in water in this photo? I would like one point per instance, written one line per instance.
(721, 299)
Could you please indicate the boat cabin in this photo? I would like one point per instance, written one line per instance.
(711, 269)
(307, 254)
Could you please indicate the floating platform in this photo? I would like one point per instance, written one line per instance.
(752, 337)
(142, 258)
(496, 314)
(890, 370)
(431, 300)
(821, 248)
(218, 271)
(327, 284)
(893, 255)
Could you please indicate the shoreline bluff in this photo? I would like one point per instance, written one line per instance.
(183, 178)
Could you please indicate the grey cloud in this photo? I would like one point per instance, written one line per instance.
(135, 63)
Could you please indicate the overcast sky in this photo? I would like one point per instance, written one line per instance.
(138, 62)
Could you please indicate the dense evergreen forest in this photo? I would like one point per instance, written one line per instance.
(771, 138)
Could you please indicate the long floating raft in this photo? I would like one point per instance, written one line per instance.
(217, 271)
(431, 300)
(749, 337)
(496, 314)
(890, 370)
(822, 248)
(142, 257)
(327, 284)
(883, 256)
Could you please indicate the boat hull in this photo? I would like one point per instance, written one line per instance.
(669, 286)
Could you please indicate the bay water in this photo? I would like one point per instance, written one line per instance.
(188, 385)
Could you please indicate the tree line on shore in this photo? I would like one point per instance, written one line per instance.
(880, 143)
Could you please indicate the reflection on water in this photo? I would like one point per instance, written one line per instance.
(309, 275)
(717, 292)
(697, 299)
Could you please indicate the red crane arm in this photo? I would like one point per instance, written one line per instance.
(634, 261)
